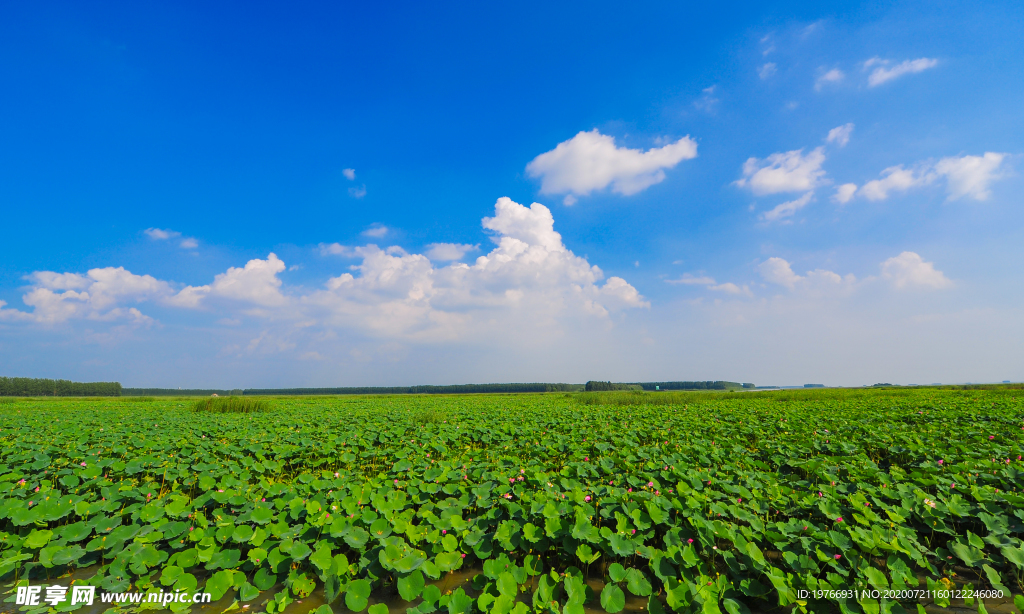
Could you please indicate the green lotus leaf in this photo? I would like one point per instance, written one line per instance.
(356, 538)
(218, 584)
(612, 598)
(357, 594)
(378, 608)
(37, 538)
(302, 585)
(264, 579)
(616, 572)
(448, 561)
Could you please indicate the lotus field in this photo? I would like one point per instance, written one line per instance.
(561, 503)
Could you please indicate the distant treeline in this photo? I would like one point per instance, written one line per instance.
(718, 385)
(455, 389)
(34, 387)
(178, 392)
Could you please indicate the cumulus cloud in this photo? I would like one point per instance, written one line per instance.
(778, 271)
(376, 231)
(591, 161)
(688, 279)
(966, 176)
(787, 209)
(971, 175)
(844, 193)
(448, 251)
(349, 173)
(357, 192)
(909, 270)
(158, 234)
(895, 179)
(790, 171)
(530, 281)
(164, 234)
(830, 77)
(100, 294)
(840, 135)
(883, 73)
(731, 288)
(767, 70)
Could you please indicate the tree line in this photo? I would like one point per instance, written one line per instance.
(36, 387)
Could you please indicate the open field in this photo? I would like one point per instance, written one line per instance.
(560, 502)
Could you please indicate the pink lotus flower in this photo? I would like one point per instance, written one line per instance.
(632, 531)
(840, 519)
(740, 500)
(649, 484)
(587, 498)
(444, 531)
(805, 528)
(940, 461)
(838, 557)
(952, 485)
(629, 490)
(689, 541)
(586, 458)
(335, 474)
(991, 437)
(82, 464)
(37, 489)
(463, 555)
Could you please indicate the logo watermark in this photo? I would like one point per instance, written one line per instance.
(56, 594)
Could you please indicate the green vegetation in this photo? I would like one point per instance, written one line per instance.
(32, 387)
(679, 501)
(230, 405)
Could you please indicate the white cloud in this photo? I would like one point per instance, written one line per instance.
(895, 178)
(448, 251)
(767, 70)
(158, 234)
(189, 243)
(97, 295)
(376, 231)
(335, 249)
(778, 271)
(349, 173)
(883, 73)
(357, 192)
(784, 172)
(787, 209)
(970, 175)
(832, 76)
(707, 102)
(688, 279)
(530, 283)
(256, 283)
(590, 161)
(731, 288)
(844, 193)
(909, 270)
(840, 135)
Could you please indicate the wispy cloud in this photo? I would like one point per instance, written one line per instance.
(376, 230)
(787, 209)
(840, 135)
(883, 73)
(829, 78)
(767, 70)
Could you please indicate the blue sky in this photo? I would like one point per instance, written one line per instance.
(767, 192)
